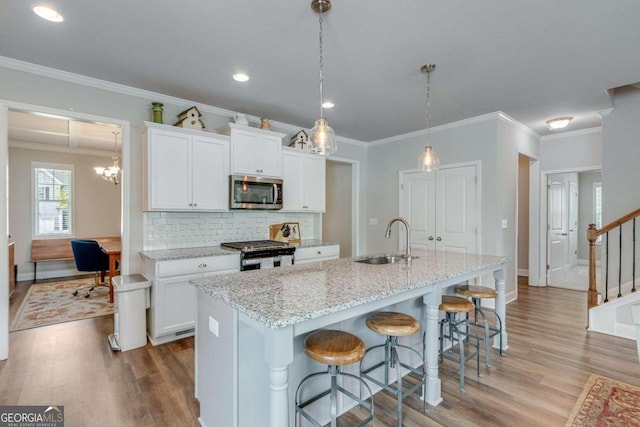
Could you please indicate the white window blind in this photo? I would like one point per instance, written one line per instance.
(53, 199)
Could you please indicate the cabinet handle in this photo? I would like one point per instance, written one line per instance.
(319, 253)
(430, 237)
(439, 239)
(190, 204)
(195, 204)
(203, 265)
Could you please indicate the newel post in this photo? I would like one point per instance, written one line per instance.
(592, 295)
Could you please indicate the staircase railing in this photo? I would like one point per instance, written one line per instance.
(592, 234)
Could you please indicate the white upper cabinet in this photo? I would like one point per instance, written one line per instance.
(185, 170)
(304, 181)
(255, 151)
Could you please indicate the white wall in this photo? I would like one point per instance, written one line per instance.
(96, 203)
(571, 151)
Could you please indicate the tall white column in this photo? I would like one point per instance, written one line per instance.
(432, 389)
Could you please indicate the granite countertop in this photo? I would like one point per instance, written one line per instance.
(186, 253)
(285, 296)
(208, 251)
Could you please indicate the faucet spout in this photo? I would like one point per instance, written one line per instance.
(387, 234)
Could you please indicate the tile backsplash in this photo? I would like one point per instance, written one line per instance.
(174, 230)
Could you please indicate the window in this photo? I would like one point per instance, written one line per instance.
(53, 199)
(597, 207)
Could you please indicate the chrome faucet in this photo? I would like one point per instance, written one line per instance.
(387, 234)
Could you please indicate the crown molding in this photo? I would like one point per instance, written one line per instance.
(505, 118)
(571, 134)
(422, 132)
(605, 112)
(79, 79)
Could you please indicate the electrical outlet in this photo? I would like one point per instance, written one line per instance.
(213, 326)
(373, 221)
(504, 223)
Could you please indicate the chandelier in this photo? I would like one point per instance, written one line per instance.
(111, 173)
(323, 138)
(429, 160)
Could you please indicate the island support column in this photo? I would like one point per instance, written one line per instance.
(432, 388)
(501, 308)
(279, 355)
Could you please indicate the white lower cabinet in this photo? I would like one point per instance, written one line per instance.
(317, 253)
(172, 312)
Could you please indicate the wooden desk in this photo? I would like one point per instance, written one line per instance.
(112, 249)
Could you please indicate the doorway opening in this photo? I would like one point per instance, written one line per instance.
(574, 200)
(340, 220)
(22, 139)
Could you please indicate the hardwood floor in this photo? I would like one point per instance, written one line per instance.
(550, 357)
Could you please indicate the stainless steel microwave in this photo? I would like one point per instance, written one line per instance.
(255, 192)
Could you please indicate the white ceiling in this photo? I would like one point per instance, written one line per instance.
(533, 59)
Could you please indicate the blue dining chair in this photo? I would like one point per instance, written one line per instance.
(89, 256)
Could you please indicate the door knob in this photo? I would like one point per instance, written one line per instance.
(430, 237)
(439, 239)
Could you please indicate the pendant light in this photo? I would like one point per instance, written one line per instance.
(323, 138)
(429, 160)
(111, 173)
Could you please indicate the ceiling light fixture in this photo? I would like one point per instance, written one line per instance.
(328, 104)
(240, 77)
(559, 122)
(111, 173)
(429, 160)
(322, 138)
(48, 13)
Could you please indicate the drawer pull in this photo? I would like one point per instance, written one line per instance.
(203, 265)
(319, 253)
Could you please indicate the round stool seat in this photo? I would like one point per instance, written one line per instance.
(476, 291)
(453, 304)
(393, 324)
(334, 347)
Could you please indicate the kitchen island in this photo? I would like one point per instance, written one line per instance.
(250, 325)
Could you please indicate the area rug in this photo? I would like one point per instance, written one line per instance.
(606, 402)
(50, 303)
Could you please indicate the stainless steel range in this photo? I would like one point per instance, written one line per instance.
(257, 254)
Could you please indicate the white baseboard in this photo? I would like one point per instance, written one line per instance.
(523, 272)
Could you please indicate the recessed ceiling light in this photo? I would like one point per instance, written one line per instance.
(240, 77)
(328, 104)
(558, 123)
(48, 13)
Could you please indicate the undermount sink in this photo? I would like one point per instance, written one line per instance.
(383, 259)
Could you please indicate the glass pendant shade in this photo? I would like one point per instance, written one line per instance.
(323, 138)
(429, 160)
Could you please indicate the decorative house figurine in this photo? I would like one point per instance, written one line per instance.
(190, 119)
(299, 140)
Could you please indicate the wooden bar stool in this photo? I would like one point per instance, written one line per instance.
(335, 349)
(457, 332)
(394, 325)
(476, 293)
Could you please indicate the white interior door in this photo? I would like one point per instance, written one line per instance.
(418, 207)
(441, 208)
(456, 219)
(573, 221)
(557, 219)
